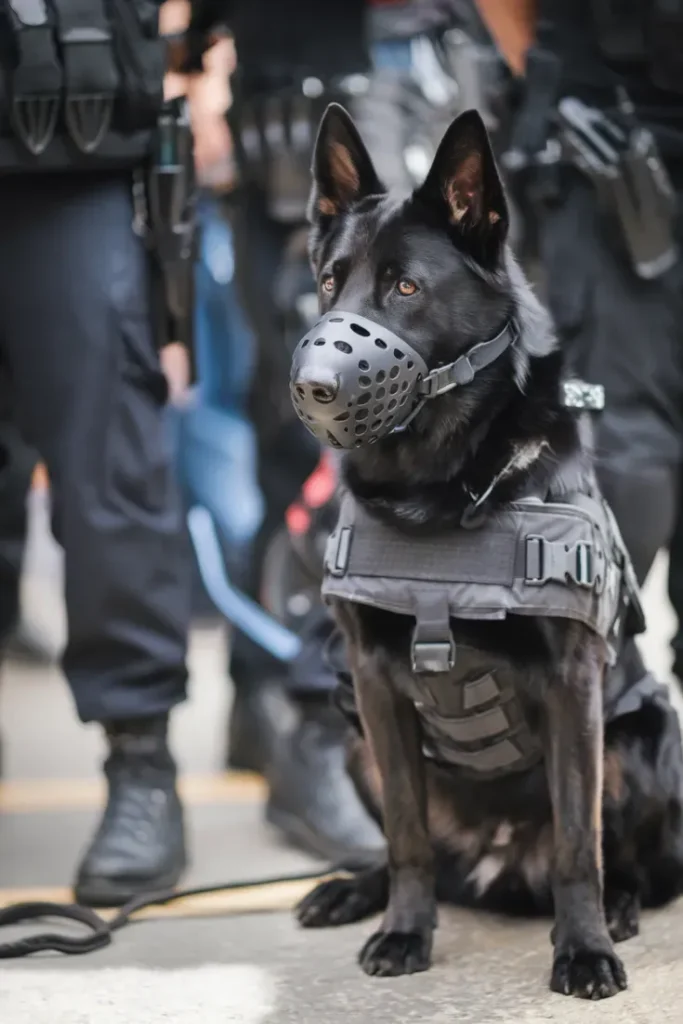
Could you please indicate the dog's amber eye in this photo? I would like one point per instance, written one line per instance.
(407, 287)
(328, 283)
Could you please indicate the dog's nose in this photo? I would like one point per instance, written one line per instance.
(320, 385)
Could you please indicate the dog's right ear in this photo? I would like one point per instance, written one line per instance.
(343, 171)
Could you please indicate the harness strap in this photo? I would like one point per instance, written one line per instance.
(464, 369)
(506, 554)
(531, 544)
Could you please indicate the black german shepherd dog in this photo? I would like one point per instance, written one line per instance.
(594, 831)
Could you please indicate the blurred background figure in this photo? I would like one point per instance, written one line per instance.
(21, 634)
(216, 441)
(297, 745)
(595, 157)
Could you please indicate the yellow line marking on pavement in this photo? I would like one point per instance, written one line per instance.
(253, 899)
(30, 796)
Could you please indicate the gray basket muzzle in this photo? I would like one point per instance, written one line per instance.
(353, 381)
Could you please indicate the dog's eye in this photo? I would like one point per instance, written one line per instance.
(327, 283)
(406, 286)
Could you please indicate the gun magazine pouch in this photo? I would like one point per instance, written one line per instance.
(82, 83)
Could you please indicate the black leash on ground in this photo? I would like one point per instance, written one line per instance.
(101, 930)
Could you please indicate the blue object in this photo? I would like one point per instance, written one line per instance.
(392, 55)
(225, 348)
(216, 444)
(245, 614)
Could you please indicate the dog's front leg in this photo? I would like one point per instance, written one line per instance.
(584, 963)
(404, 942)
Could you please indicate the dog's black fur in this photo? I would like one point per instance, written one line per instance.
(613, 793)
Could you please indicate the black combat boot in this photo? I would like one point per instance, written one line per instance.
(313, 801)
(258, 714)
(140, 844)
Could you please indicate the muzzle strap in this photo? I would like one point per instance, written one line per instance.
(465, 368)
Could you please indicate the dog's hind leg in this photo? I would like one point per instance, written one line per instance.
(622, 888)
(584, 963)
(622, 908)
(643, 811)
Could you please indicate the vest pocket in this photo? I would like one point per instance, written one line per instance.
(140, 55)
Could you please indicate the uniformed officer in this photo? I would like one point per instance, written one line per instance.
(600, 149)
(82, 316)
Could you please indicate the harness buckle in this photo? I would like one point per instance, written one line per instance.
(432, 657)
(437, 381)
(534, 572)
(339, 551)
(584, 570)
(546, 561)
(445, 378)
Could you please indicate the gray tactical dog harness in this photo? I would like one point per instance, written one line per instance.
(556, 555)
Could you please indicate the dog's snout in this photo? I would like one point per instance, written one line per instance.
(320, 385)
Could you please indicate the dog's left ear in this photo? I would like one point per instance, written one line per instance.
(463, 185)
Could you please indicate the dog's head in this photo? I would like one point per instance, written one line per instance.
(426, 277)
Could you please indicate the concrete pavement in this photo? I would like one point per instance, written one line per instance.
(257, 968)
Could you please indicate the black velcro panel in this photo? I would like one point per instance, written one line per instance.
(463, 556)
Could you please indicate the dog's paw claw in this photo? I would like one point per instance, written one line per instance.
(588, 974)
(389, 954)
(623, 917)
(335, 902)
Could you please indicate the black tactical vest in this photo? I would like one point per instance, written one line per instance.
(82, 83)
(558, 554)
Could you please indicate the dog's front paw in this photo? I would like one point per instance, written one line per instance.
(388, 954)
(339, 901)
(588, 974)
(622, 910)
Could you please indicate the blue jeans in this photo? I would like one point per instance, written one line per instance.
(216, 442)
(392, 55)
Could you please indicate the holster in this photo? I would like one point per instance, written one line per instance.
(618, 154)
(622, 158)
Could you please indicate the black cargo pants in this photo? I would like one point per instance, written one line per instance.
(286, 452)
(79, 358)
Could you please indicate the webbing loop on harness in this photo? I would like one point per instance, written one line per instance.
(432, 647)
